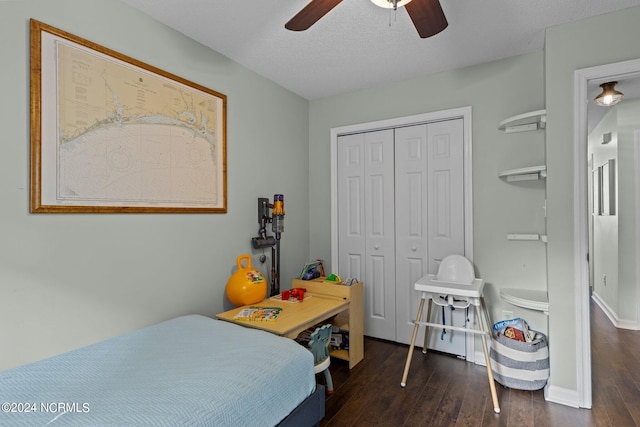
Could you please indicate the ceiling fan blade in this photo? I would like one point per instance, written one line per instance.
(310, 14)
(427, 17)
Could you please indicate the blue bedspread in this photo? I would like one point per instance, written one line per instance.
(188, 371)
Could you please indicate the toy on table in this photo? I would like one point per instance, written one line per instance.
(247, 285)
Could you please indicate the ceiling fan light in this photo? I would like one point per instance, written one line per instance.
(609, 95)
(388, 4)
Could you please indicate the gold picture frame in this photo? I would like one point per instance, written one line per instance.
(111, 134)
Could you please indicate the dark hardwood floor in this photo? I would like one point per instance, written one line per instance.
(444, 391)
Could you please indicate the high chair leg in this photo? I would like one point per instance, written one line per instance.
(426, 328)
(492, 384)
(413, 342)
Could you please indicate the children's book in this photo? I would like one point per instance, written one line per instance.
(311, 270)
(516, 329)
(514, 334)
(258, 314)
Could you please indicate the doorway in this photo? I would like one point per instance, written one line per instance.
(584, 79)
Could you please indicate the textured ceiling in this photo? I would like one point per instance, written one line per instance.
(359, 45)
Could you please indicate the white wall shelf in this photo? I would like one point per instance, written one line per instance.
(524, 122)
(527, 237)
(530, 173)
(527, 298)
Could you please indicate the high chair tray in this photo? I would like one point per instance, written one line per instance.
(429, 283)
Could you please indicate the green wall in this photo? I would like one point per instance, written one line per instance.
(570, 47)
(629, 123)
(67, 280)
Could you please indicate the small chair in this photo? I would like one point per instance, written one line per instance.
(319, 346)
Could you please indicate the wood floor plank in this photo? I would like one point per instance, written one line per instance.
(521, 408)
(475, 402)
(387, 398)
(426, 407)
(491, 419)
(551, 415)
(451, 402)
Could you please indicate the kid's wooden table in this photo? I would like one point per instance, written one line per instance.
(295, 316)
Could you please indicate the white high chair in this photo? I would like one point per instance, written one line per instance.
(455, 285)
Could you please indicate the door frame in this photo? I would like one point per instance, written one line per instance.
(464, 113)
(618, 70)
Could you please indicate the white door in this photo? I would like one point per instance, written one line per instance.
(430, 221)
(366, 242)
(412, 222)
(401, 210)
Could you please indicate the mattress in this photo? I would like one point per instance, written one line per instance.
(188, 371)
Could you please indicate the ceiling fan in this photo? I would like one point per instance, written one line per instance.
(427, 15)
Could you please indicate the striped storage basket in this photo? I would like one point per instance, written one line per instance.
(520, 365)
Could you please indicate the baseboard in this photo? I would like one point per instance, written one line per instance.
(612, 315)
(628, 324)
(561, 396)
(605, 308)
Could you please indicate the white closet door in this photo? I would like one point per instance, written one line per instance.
(380, 303)
(446, 223)
(446, 190)
(412, 261)
(401, 210)
(430, 220)
(351, 231)
(366, 224)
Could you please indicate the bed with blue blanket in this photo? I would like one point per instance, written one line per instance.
(191, 370)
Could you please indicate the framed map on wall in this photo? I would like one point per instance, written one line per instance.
(110, 134)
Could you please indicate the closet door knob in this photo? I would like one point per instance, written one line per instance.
(376, 247)
(413, 248)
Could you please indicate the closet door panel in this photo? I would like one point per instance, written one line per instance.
(411, 223)
(351, 232)
(446, 191)
(379, 218)
(446, 222)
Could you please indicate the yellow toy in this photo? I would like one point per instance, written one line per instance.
(247, 285)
